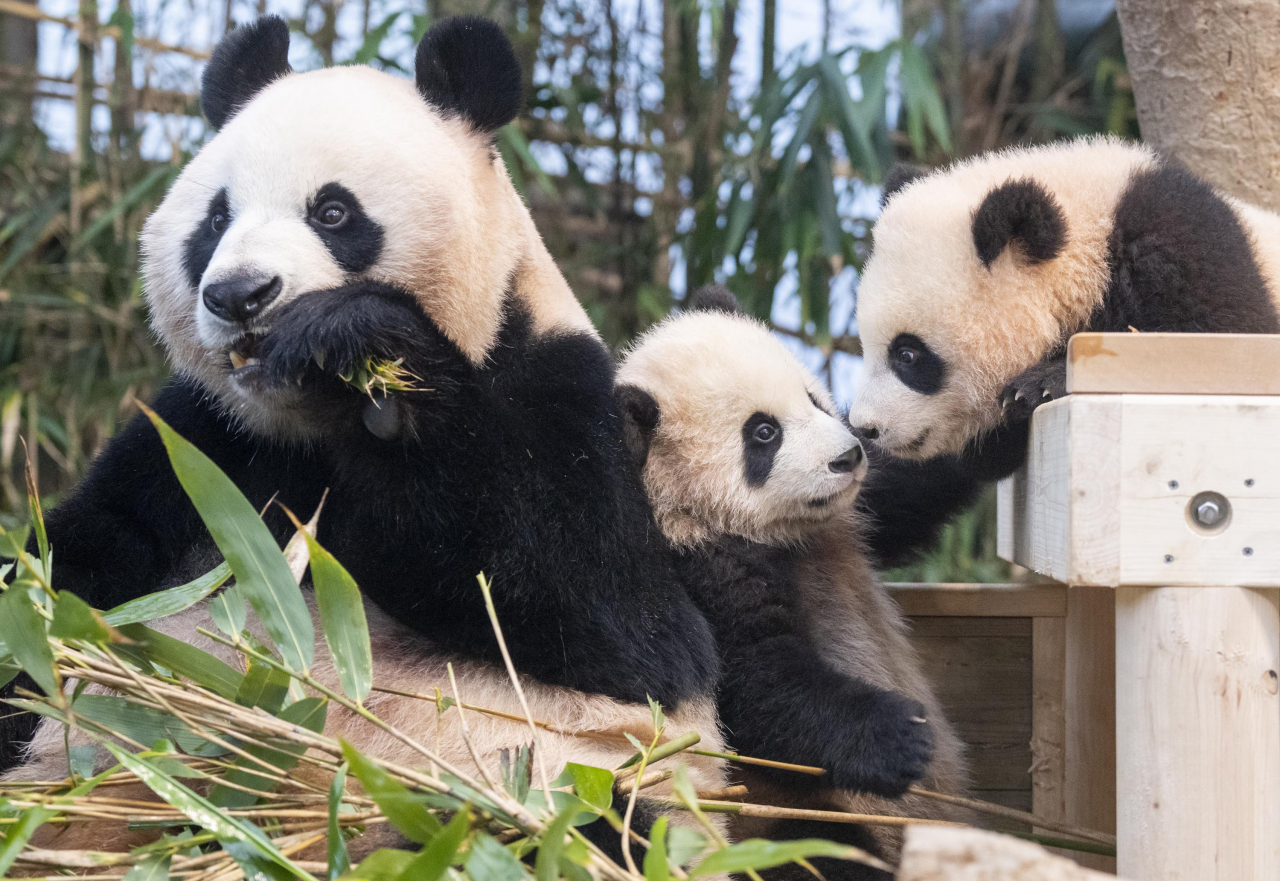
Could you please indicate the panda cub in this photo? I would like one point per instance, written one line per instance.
(981, 272)
(753, 477)
(343, 215)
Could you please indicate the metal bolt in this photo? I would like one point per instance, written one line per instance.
(1173, 484)
(1248, 481)
(1248, 552)
(1168, 558)
(1208, 513)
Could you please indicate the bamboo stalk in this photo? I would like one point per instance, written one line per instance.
(995, 810)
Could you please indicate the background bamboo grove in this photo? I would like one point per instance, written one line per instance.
(665, 144)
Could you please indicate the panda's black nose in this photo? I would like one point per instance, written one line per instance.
(846, 461)
(866, 432)
(240, 299)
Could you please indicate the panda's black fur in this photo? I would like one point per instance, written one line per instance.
(1179, 259)
(514, 466)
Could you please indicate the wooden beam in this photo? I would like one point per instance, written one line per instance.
(1198, 733)
(980, 600)
(1048, 717)
(1174, 363)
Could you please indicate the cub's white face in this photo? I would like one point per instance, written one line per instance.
(324, 178)
(747, 442)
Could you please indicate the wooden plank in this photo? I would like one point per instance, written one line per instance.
(1090, 713)
(1176, 446)
(1104, 497)
(1174, 363)
(1048, 717)
(980, 600)
(1198, 733)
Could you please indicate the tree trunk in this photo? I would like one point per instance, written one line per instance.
(18, 41)
(1206, 78)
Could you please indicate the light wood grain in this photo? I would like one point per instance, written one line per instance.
(1174, 363)
(1090, 682)
(1104, 495)
(980, 600)
(1048, 717)
(1198, 733)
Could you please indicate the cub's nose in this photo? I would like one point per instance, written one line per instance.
(866, 432)
(240, 299)
(846, 461)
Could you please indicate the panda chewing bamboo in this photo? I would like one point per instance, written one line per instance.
(344, 217)
(753, 476)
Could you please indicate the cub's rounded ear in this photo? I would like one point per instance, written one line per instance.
(713, 298)
(1021, 212)
(465, 67)
(640, 417)
(245, 61)
(901, 174)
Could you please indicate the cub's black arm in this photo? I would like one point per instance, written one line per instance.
(905, 504)
(514, 468)
(779, 699)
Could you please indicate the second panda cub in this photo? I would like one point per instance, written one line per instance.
(753, 477)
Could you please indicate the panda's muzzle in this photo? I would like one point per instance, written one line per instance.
(243, 298)
(243, 353)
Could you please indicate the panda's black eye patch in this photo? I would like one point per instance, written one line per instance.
(916, 365)
(352, 237)
(198, 249)
(761, 438)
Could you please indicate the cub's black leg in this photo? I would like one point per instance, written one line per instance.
(1039, 384)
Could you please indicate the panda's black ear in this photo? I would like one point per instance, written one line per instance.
(245, 61)
(640, 417)
(465, 66)
(901, 174)
(1020, 211)
(713, 298)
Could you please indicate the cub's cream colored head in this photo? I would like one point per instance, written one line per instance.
(320, 179)
(978, 272)
(735, 436)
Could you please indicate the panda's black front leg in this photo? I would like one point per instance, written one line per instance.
(1039, 384)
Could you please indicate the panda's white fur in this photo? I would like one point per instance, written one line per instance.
(349, 123)
(708, 371)
(989, 324)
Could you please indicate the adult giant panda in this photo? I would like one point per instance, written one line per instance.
(753, 476)
(981, 272)
(345, 214)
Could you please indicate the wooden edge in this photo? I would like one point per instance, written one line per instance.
(980, 600)
(1174, 363)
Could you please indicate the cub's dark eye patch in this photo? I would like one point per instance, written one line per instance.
(917, 366)
(198, 249)
(761, 439)
(352, 237)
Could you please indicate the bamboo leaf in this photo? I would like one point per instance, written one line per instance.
(308, 713)
(164, 603)
(74, 619)
(490, 861)
(757, 853)
(138, 723)
(924, 103)
(381, 865)
(26, 638)
(152, 868)
(201, 812)
(156, 180)
(441, 851)
(593, 785)
(339, 859)
(186, 660)
(263, 686)
(373, 40)
(406, 811)
(17, 835)
(547, 865)
(260, 568)
(228, 612)
(853, 127)
(683, 844)
(655, 860)
(342, 618)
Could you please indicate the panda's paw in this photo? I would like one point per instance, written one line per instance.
(1045, 382)
(891, 751)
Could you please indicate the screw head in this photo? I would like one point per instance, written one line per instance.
(1248, 552)
(1168, 558)
(1248, 481)
(1208, 513)
(1173, 484)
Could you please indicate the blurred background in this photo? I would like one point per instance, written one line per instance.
(666, 144)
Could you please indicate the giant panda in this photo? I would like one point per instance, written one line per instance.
(753, 475)
(344, 214)
(980, 272)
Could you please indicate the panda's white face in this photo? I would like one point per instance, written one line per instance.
(322, 179)
(978, 272)
(747, 441)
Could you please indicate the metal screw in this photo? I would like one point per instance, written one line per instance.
(1248, 552)
(1208, 513)
(1173, 484)
(1168, 558)
(1248, 481)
